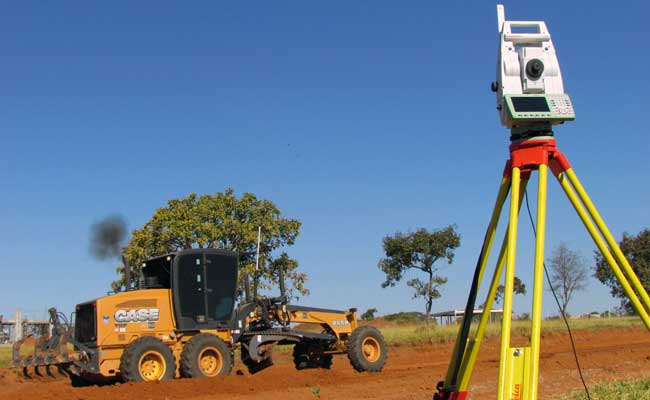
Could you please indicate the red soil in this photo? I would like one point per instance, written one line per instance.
(410, 373)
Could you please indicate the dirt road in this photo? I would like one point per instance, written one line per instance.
(411, 373)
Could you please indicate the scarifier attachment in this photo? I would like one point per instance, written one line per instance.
(48, 351)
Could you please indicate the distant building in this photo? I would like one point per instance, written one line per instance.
(452, 316)
(15, 329)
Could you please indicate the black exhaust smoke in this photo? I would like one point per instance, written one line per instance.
(107, 238)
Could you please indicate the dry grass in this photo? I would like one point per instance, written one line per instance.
(637, 390)
(5, 355)
(423, 334)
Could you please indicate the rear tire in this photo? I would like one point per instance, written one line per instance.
(308, 354)
(205, 356)
(367, 350)
(147, 359)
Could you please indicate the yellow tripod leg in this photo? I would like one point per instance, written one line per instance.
(620, 257)
(475, 344)
(536, 327)
(575, 201)
(503, 392)
(459, 347)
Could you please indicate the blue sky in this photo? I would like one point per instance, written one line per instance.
(358, 118)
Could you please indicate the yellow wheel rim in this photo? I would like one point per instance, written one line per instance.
(210, 361)
(371, 349)
(152, 366)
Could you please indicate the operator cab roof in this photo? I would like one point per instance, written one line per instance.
(157, 271)
(169, 257)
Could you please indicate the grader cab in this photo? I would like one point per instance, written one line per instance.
(183, 322)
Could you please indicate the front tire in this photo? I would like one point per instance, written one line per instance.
(147, 359)
(205, 356)
(367, 350)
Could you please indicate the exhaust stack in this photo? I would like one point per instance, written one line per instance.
(127, 274)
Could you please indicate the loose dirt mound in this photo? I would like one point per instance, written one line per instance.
(411, 373)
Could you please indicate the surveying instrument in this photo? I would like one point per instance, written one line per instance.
(530, 100)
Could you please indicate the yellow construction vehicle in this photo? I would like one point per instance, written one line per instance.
(182, 322)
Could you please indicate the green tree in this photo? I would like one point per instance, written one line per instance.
(369, 315)
(568, 274)
(637, 250)
(419, 250)
(519, 287)
(220, 221)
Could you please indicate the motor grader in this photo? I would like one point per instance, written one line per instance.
(182, 321)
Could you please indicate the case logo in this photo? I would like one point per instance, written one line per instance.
(139, 315)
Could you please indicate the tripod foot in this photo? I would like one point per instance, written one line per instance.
(446, 394)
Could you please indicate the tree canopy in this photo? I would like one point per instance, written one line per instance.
(519, 287)
(369, 315)
(220, 221)
(637, 251)
(419, 250)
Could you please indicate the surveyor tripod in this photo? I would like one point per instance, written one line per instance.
(519, 366)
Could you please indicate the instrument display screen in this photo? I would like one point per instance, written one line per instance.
(530, 104)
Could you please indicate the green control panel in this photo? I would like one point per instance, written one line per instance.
(553, 108)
